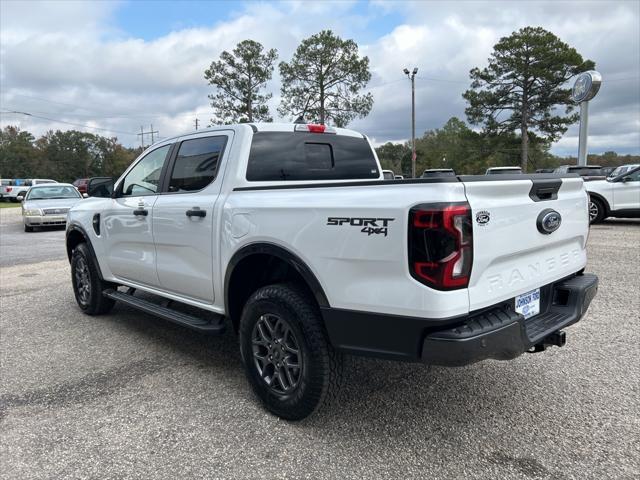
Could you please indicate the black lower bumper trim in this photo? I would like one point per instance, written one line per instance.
(479, 338)
(498, 333)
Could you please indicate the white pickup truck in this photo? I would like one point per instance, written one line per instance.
(15, 193)
(289, 235)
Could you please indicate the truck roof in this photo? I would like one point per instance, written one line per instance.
(260, 127)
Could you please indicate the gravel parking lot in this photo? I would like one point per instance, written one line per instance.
(129, 396)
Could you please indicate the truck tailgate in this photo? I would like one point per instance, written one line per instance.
(512, 254)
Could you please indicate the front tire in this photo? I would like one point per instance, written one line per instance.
(596, 210)
(87, 285)
(288, 359)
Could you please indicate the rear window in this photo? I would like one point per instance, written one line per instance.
(309, 156)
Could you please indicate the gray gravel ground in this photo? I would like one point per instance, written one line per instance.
(129, 396)
(17, 247)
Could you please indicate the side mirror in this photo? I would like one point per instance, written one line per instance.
(85, 195)
(100, 187)
(20, 198)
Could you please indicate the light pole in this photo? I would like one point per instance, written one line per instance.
(412, 76)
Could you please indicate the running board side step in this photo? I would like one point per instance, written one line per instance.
(214, 327)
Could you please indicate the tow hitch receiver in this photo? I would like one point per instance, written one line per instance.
(558, 339)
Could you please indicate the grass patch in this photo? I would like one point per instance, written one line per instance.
(9, 204)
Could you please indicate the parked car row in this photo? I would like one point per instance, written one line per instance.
(588, 172)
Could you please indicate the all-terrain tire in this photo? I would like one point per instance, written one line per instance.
(87, 285)
(320, 373)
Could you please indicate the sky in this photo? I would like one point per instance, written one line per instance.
(110, 67)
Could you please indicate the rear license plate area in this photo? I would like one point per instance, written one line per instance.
(528, 304)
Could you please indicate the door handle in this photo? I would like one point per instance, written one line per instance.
(141, 212)
(196, 212)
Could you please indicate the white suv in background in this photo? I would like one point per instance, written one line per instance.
(616, 196)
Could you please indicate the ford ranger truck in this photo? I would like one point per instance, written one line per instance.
(289, 235)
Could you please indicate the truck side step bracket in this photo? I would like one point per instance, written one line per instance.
(213, 327)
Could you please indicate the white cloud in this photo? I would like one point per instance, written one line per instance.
(72, 53)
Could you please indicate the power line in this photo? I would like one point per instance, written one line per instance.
(143, 133)
(65, 122)
(446, 80)
(112, 115)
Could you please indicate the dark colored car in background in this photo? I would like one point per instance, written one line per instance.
(582, 170)
(587, 172)
(81, 184)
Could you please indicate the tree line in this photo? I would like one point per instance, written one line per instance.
(61, 155)
(468, 152)
(66, 156)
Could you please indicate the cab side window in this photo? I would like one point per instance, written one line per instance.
(196, 164)
(144, 178)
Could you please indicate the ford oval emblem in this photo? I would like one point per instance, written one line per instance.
(483, 217)
(549, 221)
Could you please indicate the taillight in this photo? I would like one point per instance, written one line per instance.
(441, 245)
(8, 189)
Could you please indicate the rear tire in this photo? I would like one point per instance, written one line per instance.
(27, 228)
(87, 285)
(596, 210)
(288, 359)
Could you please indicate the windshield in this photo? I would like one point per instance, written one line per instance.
(622, 169)
(52, 192)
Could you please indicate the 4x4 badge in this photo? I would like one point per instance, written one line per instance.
(483, 217)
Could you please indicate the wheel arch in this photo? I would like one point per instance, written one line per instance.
(607, 207)
(259, 264)
(77, 235)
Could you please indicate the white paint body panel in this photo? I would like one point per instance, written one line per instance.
(128, 240)
(357, 271)
(510, 255)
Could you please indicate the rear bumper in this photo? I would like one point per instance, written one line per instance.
(497, 332)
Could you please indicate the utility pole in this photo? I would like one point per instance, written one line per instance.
(412, 77)
(143, 133)
(196, 122)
